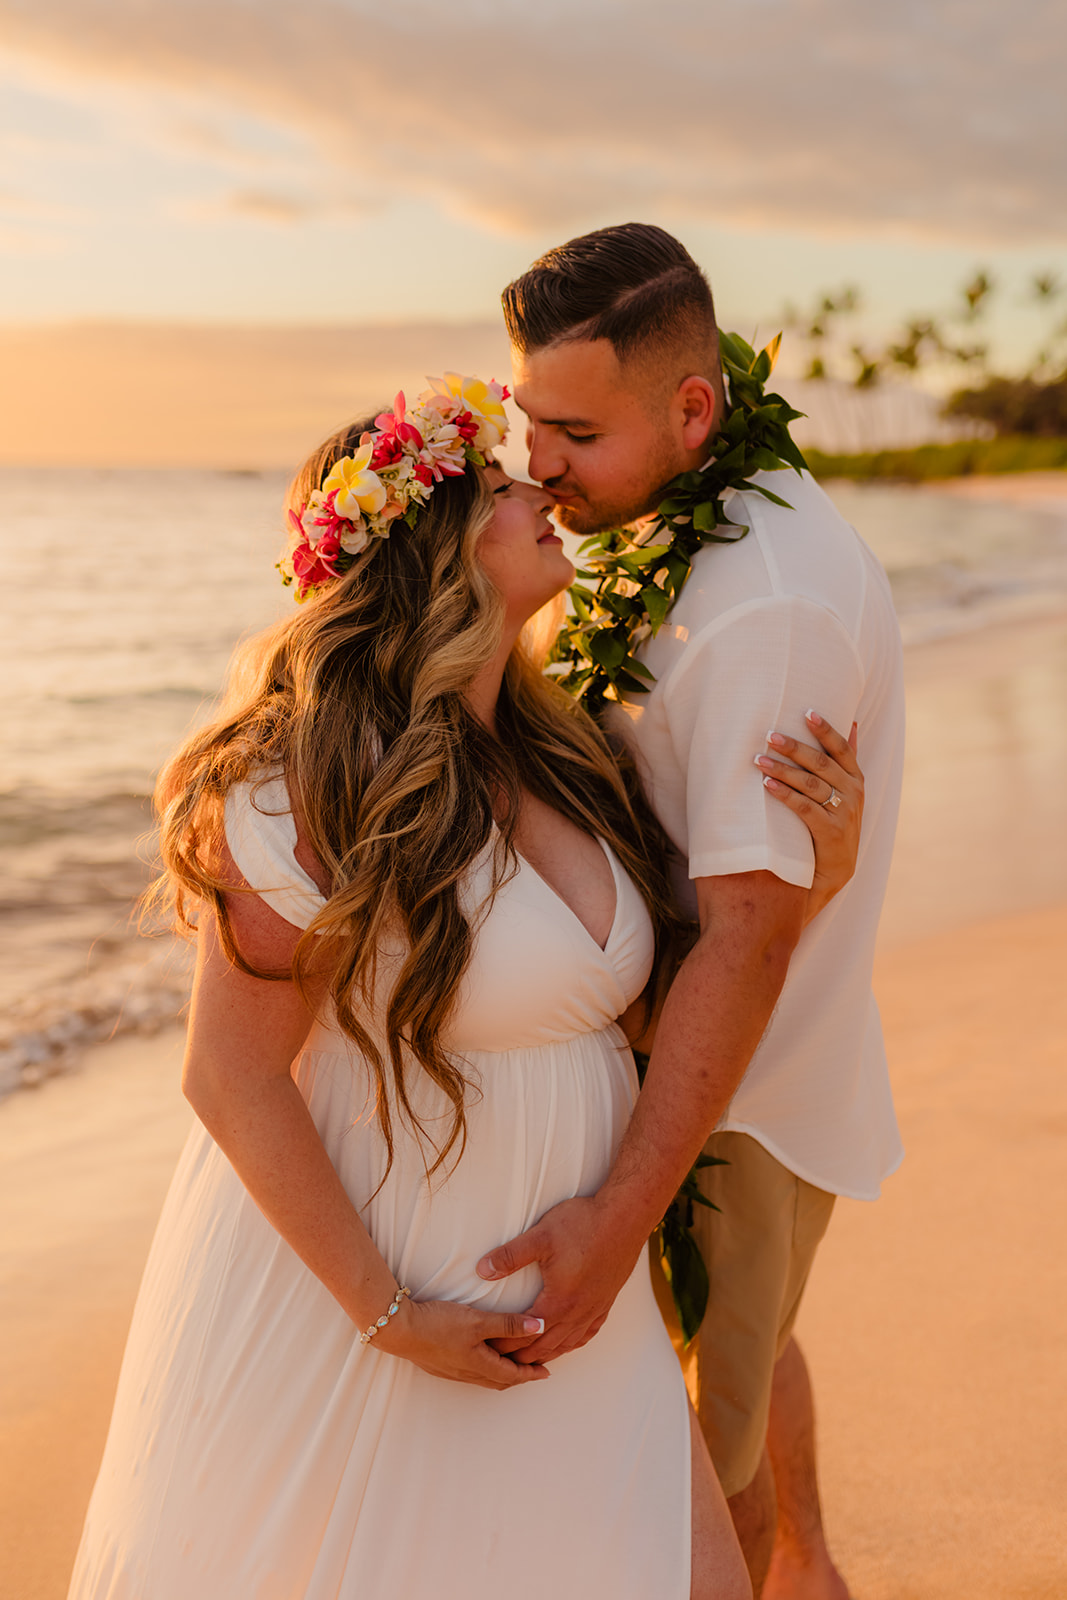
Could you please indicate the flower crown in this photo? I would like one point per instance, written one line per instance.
(392, 474)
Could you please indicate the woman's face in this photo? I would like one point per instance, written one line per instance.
(520, 552)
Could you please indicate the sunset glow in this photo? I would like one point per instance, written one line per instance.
(338, 163)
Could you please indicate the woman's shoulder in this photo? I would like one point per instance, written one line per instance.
(267, 840)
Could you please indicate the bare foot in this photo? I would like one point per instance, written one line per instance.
(800, 1575)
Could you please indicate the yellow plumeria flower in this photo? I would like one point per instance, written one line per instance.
(358, 489)
(483, 400)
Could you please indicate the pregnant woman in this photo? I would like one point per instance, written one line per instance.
(424, 894)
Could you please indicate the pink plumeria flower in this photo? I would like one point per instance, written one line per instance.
(443, 449)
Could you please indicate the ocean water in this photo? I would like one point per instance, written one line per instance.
(125, 593)
(956, 563)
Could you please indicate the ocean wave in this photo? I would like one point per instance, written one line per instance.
(49, 1033)
(191, 693)
(916, 588)
(30, 813)
(981, 607)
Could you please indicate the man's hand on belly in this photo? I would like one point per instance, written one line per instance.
(584, 1258)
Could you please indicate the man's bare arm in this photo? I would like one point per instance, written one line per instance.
(713, 1019)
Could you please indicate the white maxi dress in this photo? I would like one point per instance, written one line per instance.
(258, 1451)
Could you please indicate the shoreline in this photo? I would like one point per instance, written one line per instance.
(986, 763)
(69, 853)
(981, 820)
(1038, 489)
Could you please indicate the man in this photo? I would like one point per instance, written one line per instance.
(617, 370)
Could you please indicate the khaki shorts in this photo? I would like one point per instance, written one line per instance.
(758, 1247)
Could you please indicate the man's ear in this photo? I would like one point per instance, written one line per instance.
(698, 409)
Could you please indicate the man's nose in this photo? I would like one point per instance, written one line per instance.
(547, 460)
(535, 495)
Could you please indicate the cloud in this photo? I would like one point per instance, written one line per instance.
(24, 204)
(210, 137)
(278, 207)
(943, 119)
(256, 205)
(18, 239)
(30, 226)
(263, 206)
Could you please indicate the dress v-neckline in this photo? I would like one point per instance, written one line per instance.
(615, 871)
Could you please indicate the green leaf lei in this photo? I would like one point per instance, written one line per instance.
(625, 589)
(623, 593)
(683, 1266)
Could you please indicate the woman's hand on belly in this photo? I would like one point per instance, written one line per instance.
(449, 1340)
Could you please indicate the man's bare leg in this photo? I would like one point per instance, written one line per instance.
(800, 1566)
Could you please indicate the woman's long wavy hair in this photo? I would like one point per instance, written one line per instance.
(359, 697)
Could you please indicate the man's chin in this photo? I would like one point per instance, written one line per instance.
(576, 519)
(585, 519)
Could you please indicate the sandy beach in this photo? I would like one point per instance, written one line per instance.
(84, 1164)
(933, 1319)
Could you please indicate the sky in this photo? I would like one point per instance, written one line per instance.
(339, 162)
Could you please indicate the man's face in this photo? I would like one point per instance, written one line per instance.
(602, 448)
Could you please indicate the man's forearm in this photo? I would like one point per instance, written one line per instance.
(713, 1019)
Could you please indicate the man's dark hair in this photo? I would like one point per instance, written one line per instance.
(633, 285)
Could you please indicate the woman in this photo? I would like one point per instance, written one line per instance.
(426, 895)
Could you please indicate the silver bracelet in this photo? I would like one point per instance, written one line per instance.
(365, 1338)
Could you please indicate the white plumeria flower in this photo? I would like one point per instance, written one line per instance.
(398, 472)
(355, 538)
(310, 519)
(443, 444)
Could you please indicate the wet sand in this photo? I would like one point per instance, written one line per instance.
(981, 828)
(933, 1319)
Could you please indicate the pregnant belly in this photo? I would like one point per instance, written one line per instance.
(543, 1125)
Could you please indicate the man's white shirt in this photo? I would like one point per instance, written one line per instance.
(797, 614)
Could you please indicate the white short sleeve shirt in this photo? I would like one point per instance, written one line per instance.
(797, 614)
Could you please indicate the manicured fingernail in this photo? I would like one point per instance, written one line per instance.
(533, 1324)
(814, 717)
(764, 761)
(485, 1268)
(777, 739)
(772, 783)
